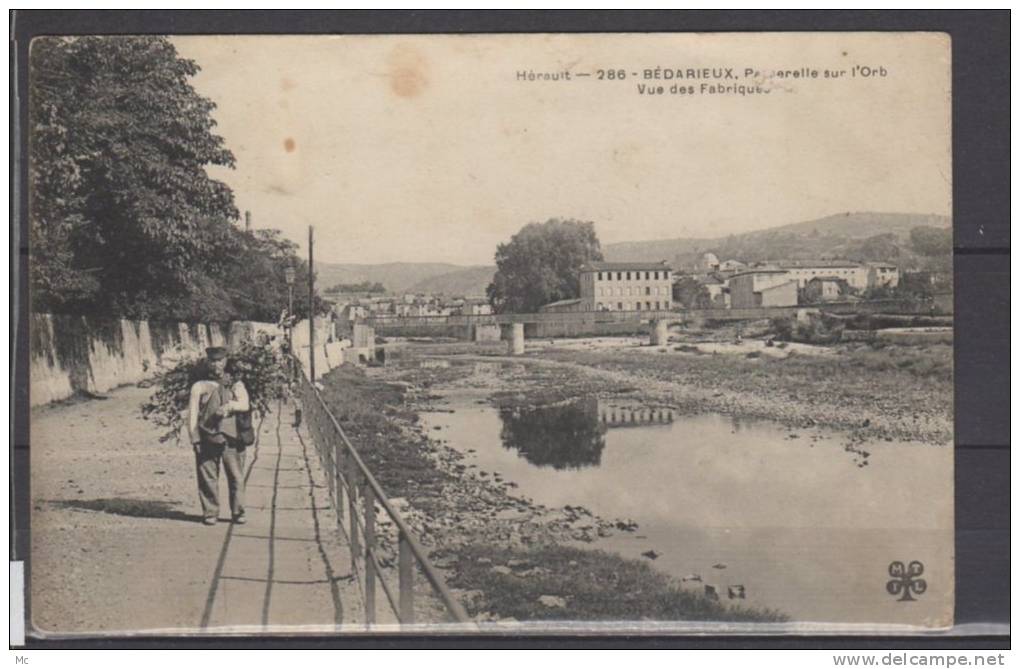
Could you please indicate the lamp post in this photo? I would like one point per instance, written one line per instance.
(288, 276)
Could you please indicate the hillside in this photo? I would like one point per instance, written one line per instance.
(861, 236)
(396, 277)
(469, 282)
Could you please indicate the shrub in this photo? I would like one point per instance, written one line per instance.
(782, 328)
(262, 369)
(818, 330)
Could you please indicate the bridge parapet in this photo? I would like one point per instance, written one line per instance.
(616, 322)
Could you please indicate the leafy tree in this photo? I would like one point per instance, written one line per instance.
(884, 247)
(691, 293)
(361, 287)
(935, 245)
(541, 263)
(253, 276)
(124, 219)
(932, 242)
(123, 216)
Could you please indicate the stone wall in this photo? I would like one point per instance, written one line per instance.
(74, 354)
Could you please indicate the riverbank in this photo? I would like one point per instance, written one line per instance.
(508, 557)
(872, 393)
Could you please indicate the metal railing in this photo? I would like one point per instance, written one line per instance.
(354, 492)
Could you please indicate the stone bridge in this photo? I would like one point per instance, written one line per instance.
(515, 327)
(656, 323)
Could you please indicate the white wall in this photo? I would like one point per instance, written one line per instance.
(71, 354)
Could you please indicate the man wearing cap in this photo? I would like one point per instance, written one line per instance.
(213, 432)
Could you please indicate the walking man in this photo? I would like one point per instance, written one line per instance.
(212, 428)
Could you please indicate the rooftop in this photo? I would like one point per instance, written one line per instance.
(599, 266)
(817, 263)
(760, 270)
(561, 303)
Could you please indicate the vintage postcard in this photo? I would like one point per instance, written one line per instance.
(517, 333)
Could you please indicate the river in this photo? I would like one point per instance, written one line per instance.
(790, 519)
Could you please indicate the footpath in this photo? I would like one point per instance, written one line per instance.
(118, 545)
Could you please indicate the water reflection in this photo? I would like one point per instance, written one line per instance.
(628, 416)
(782, 509)
(565, 436)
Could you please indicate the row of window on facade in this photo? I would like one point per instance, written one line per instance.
(635, 306)
(626, 291)
(637, 276)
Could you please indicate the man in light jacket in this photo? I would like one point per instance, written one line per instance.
(212, 429)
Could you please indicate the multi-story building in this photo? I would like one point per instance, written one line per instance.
(854, 273)
(824, 289)
(718, 289)
(858, 276)
(476, 306)
(763, 287)
(883, 274)
(626, 286)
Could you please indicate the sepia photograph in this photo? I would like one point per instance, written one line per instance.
(633, 333)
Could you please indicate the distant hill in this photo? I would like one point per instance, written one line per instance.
(397, 277)
(468, 282)
(860, 236)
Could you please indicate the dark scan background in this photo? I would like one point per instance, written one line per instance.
(981, 168)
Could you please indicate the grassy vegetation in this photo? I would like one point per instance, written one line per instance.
(370, 412)
(863, 375)
(594, 585)
(933, 362)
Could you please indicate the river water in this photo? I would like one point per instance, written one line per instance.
(799, 522)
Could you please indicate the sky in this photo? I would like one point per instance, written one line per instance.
(430, 149)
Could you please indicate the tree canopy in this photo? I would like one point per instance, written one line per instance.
(541, 263)
(124, 219)
(691, 294)
(360, 287)
(932, 242)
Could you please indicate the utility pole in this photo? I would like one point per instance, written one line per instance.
(311, 308)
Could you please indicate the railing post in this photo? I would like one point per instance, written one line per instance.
(336, 473)
(406, 567)
(369, 502)
(330, 466)
(352, 513)
(347, 471)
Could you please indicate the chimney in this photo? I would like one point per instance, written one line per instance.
(247, 221)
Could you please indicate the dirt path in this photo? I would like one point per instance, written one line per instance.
(118, 546)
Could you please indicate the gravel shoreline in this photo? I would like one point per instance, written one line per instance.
(896, 406)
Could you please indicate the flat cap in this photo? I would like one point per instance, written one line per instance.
(216, 353)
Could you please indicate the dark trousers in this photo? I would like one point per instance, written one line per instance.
(207, 466)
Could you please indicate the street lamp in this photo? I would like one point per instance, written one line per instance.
(288, 276)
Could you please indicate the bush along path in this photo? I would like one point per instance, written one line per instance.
(507, 558)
